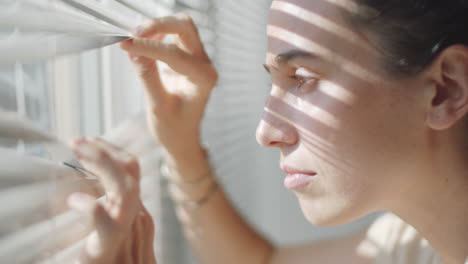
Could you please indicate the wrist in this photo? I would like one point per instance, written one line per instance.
(190, 180)
(189, 165)
(184, 147)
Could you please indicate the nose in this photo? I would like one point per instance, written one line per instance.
(274, 131)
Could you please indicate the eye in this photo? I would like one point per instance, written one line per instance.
(306, 80)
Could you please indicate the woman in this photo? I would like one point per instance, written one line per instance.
(367, 107)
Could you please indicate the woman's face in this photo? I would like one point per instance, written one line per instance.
(333, 111)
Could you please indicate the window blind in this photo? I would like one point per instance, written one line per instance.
(233, 32)
(62, 32)
(36, 225)
(242, 89)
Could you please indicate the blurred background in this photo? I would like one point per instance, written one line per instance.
(93, 92)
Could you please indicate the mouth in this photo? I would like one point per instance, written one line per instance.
(297, 179)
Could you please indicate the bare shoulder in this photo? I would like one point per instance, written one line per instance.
(343, 250)
(380, 241)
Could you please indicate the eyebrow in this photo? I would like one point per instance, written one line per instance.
(284, 58)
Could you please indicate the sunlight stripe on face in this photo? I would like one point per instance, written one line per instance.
(350, 6)
(331, 89)
(316, 19)
(298, 126)
(320, 115)
(338, 92)
(311, 46)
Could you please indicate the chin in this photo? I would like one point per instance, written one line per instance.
(327, 213)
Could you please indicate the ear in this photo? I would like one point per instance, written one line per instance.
(449, 102)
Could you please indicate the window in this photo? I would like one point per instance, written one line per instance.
(63, 96)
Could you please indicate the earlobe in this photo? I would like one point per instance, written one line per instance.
(449, 102)
(439, 119)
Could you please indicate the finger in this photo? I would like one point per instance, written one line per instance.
(118, 185)
(147, 70)
(121, 187)
(180, 24)
(138, 241)
(179, 60)
(124, 255)
(147, 228)
(96, 251)
(87, 206)
(125, 159)
(159, 37)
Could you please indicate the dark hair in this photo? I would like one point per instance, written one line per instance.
(412, 33)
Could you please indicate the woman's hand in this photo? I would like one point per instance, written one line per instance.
(124, 229)
(177, 95)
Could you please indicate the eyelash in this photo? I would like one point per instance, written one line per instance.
(303, 81)
(299, 79)
(295, 77)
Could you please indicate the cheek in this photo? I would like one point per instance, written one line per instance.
(346, 198)
(359, 138)
(363, 119)
(323, 111)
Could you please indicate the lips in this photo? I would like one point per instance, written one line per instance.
(291, 170)
(297, 179)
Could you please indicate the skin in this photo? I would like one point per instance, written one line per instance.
(337, 120)
(375, 141)
(122, 223)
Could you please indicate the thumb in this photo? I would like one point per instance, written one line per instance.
(87, 206)
(101, 244)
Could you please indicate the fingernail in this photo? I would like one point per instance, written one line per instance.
(138, 31)
(85, 152)
(77, 142)
(80, 141)
(78, 155)
(128, 41)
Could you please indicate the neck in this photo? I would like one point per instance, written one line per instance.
(438, 208)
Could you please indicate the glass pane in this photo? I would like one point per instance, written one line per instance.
(7, 98)
(36, 94)
(36, 97)
(7, 89)
(24, 89)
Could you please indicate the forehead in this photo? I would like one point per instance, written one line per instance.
(315, 26)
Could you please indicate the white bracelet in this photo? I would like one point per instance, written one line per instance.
(166, 172)
(201, 201)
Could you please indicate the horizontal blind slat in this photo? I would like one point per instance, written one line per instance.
(148, 8)
(27, 18)
(67, 229)
(96, 10)
(36, 202)
(50, 45)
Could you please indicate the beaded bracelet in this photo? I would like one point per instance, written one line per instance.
(166, 171)
(201, 201)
